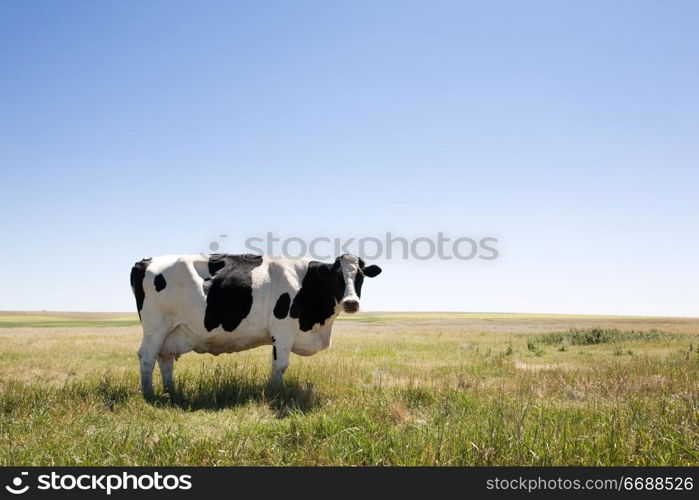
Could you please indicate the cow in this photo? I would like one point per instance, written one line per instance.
(223, 303)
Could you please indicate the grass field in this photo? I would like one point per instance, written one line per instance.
(408, 389)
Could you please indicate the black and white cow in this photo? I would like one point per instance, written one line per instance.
(228, 303)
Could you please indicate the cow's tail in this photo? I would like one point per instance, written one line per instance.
(138, 273)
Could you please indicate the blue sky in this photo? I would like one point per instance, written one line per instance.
(568, 130)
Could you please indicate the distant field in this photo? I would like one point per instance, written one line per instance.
(394, 389)
(65, 319)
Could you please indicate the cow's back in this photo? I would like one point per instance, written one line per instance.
(218, 303)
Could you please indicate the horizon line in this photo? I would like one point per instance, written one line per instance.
(600, 315)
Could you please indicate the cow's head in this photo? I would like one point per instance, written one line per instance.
(348, 272)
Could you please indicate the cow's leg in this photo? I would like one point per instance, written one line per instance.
(154, 333)
(174, 345)
(167, 365)
(147, 361)
(282, 340)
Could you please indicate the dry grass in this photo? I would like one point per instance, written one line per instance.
(439, 388)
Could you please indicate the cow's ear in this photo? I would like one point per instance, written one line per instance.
(371, 271)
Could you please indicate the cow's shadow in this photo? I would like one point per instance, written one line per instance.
(292, 397)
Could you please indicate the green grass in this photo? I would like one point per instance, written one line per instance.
(391, 392)
(66, 320)
(591, 336)
(68, 323)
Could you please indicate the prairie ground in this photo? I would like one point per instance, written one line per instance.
(394, 389)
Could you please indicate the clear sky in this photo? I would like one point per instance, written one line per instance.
(568, 130)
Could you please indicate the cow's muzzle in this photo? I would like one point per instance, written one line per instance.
(350, 306)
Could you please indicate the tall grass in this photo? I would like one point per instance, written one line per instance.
(382, 395)
(224, 415)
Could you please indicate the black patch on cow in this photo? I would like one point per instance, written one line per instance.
(229, 291)
(217, 261)
(358, 280)
(322, 287)
(138, 273)
(160, 283)
(281, 308)
(274, 352)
